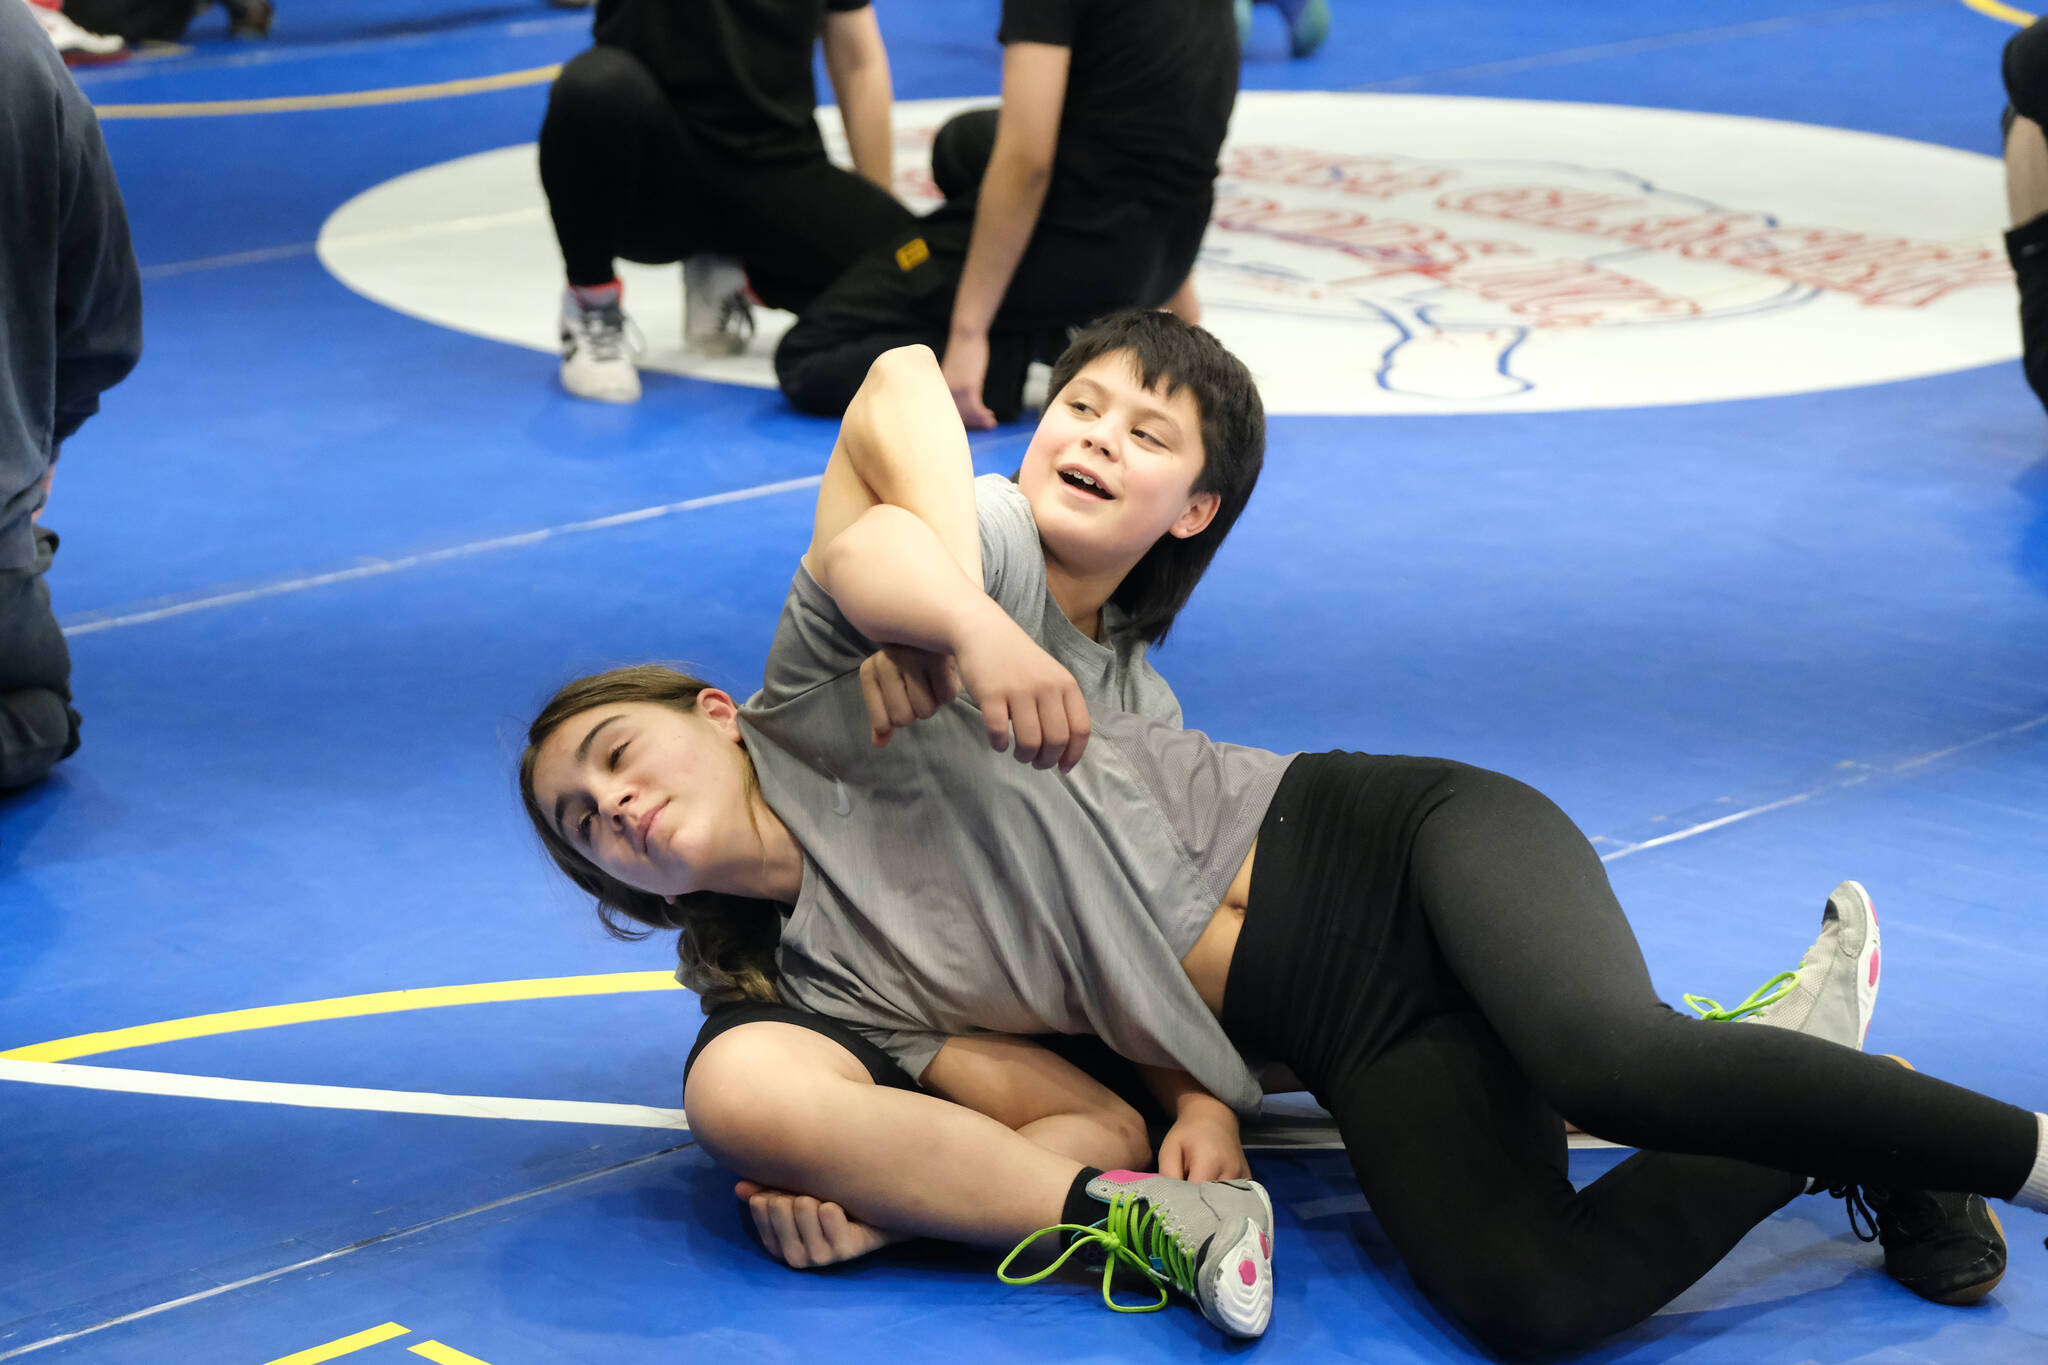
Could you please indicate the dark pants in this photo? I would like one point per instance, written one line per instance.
(627, 177)
(1435, 950)
(136, 20)
(1126, 255)
(37, 725)
(2026, 246)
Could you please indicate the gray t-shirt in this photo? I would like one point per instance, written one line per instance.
(950, 889)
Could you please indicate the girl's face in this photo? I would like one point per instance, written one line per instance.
(1112, 468)
(656, 797)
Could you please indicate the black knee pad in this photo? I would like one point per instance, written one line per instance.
(960, 152)
(601, 77)
(37, 730)
(2025, 70)
(2026, 247)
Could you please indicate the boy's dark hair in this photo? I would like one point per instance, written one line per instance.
(1164, 348)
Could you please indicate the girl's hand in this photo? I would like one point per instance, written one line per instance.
(805, 1233)
(1203, 1147)
(1020, 687)
(902, 684)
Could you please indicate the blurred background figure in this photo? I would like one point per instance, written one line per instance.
(1087, 191)
(76, 45)
(2026, 192)
(1308, 23)
(165, 21)
(246, 18)
(689, 134)
(70, 328)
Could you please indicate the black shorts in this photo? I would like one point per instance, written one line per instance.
(880, 1064)
(1090, 1054)
(1336, 958)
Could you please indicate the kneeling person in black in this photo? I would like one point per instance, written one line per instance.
(2026, 184)
(688, 133)
(1088, 191)
(70, 328)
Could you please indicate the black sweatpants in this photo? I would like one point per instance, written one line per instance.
(37, 725)
(1127, 255)
(1435, 950)
(628, 178)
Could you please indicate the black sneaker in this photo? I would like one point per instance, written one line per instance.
(1948, 1248)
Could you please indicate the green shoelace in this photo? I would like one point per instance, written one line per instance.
(1770, 993)
(1132, 1233)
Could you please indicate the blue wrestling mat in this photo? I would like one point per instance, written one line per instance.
(1647, 424)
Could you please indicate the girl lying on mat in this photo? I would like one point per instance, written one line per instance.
(1431, 948)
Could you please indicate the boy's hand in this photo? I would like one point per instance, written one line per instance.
(49, 478)
(1020, 687)
(805, 1233)
(966, 368)
(902, 684)
(1203, 1146)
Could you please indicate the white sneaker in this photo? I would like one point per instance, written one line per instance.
(597, 360)
(76, 45)
(717, 320)
(1834, 992)
(1037, 386)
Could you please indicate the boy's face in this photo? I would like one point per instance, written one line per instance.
(1112, 468)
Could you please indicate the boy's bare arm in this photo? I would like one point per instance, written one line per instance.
(894, 584)
(901, 444)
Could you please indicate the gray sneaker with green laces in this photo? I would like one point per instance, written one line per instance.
(1947, 1247)
(1211, 1241)
(1834, 991)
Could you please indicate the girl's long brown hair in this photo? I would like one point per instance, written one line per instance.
(725, 944)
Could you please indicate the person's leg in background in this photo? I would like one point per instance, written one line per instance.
(37, 725)
(900, 293)
(623, 180)
(960, 153)
(2026, 190)
(797, 226)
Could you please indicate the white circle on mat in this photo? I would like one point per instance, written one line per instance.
(1377, 253)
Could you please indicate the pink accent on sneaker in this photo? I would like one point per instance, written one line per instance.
(1265, 1247)
(598, 295)
(1247, 1273)
(1873, 969)
(1124, 1177)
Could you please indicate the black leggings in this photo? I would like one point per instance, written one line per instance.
(627, 177)
(1436, 952)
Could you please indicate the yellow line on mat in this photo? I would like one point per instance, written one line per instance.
(444, 1355)
(2006, 13)
(341, 1007)
(353, 99)
(342, 1346)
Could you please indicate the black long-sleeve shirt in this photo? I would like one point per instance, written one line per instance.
(70, 293)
